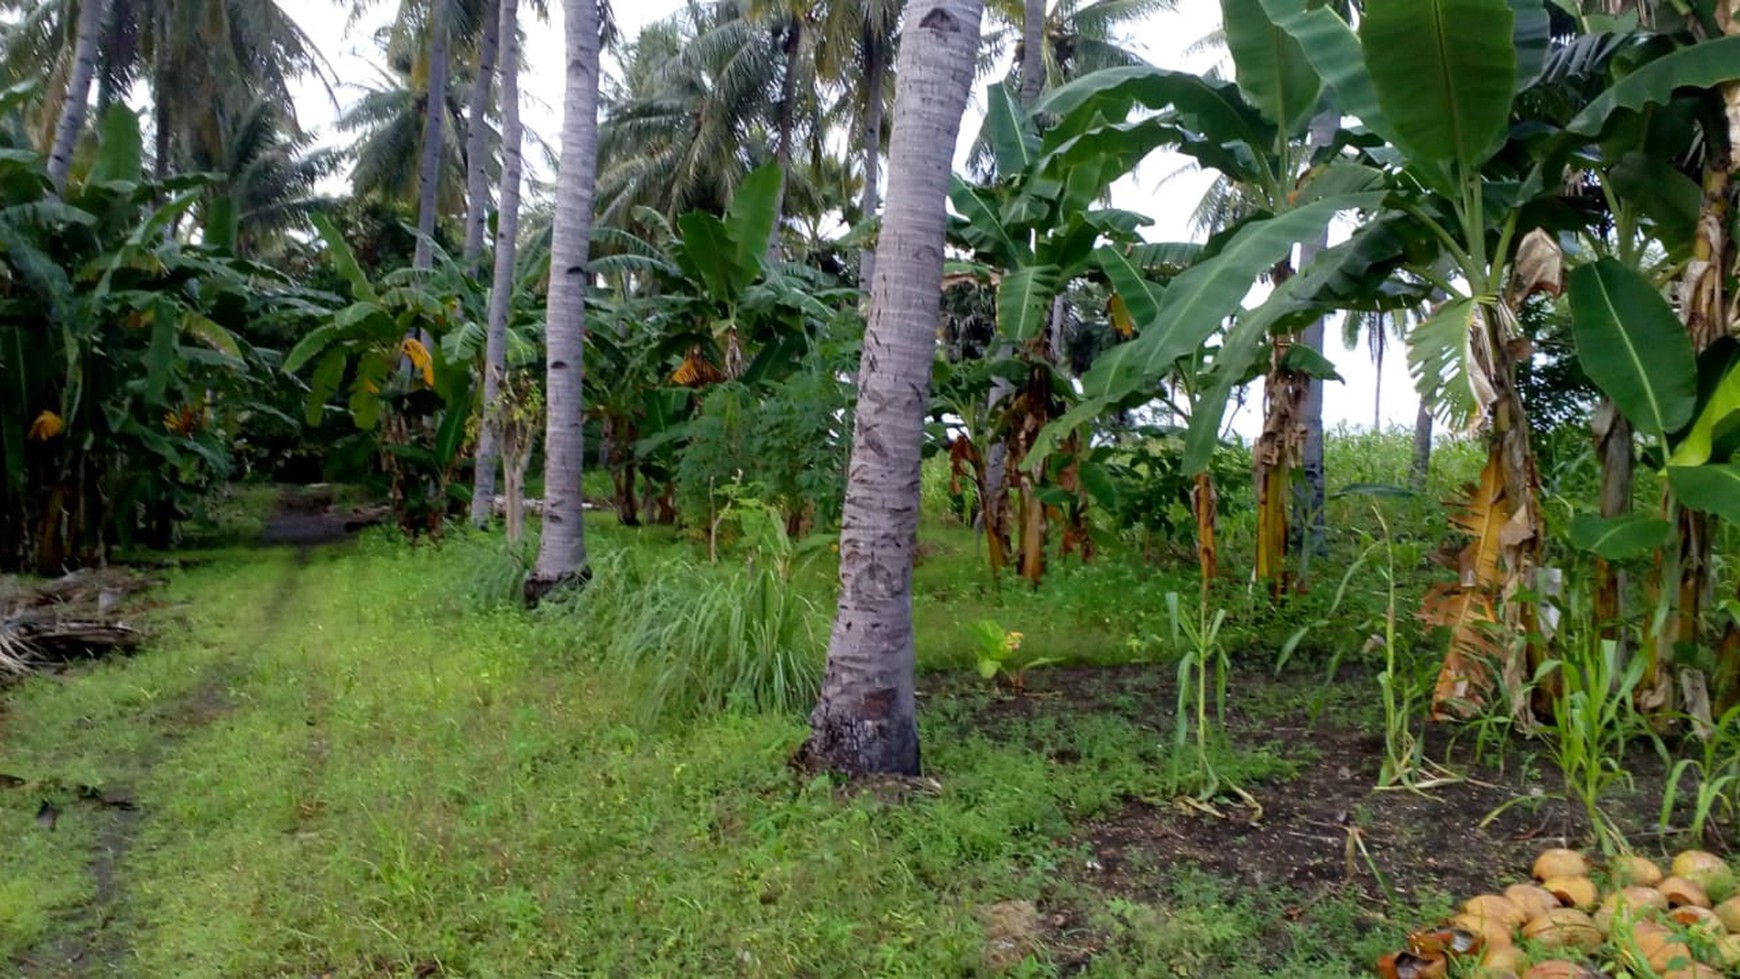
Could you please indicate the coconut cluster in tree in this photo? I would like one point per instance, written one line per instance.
(1572, 922)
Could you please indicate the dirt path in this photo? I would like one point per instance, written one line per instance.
(93, 946)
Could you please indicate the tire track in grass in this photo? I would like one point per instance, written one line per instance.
(94, 947)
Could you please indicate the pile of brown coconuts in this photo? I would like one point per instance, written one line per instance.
(1569, 923)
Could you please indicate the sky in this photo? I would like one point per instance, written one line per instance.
(1157, 188)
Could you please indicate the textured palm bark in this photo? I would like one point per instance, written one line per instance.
(506, 252)
(434, 127)
(874, 82)
(1032, 50)
(562, 546)
(1309, 516)
(1421, 469)
(78, 92)
(791, 49)
(477, 141)
(865, 720)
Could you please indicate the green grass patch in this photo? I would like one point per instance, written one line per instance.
(370, 762)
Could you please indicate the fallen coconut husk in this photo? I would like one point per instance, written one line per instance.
(77, 616)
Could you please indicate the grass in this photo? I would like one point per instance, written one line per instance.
(350, 765)
(371, 762)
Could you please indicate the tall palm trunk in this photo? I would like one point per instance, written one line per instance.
(507, 230)
(1032, 51)
(562, 548)
(866, 718)
(78, 92)
(874, 55)
(1309, 494)
(434, 119)
(161, 83)
(1422, 464)
(787, 123)
(477, 141)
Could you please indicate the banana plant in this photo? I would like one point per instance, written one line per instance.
(125, 385)
(1633, 346)
(1644, 168)
(1443, 100)
(1032, 231)
(413, 394)
(734, 313)
(698, 305)
(1245, 131)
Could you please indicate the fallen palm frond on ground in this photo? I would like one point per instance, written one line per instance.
(81, 615)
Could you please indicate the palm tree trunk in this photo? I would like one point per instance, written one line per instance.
(434, 119)
(787, 123)
(160, 83)
(78, 92)
(1379, 344)
(872, 148)
(1422, 466)
(1032, 51)
(477, 141)
(866, 718)
(562, 548)
(1309, 495)
(507, 231)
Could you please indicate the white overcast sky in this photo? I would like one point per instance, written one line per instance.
(1164, 39)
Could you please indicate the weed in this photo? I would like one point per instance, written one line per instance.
(997, 655)
(1593, 719)
(1715, 777)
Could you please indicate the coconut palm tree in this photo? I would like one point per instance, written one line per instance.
(269, 180)
(1074, 37)
(856, 53)
(866, 717)
(477, 138)
(203, 60)
(78, 92)
(688, 117)
(388, 122)
(562, 547)
(501, 292)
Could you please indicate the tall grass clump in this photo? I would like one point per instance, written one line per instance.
(698, 639)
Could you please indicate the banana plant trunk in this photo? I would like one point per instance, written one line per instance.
(1725, 678)
(506, 252)
(562, 546)
(434, 119)
(1613, 445)
(865, 720)
(1277, 455)
(477, 141)
(78, 92)
(1205, 507)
